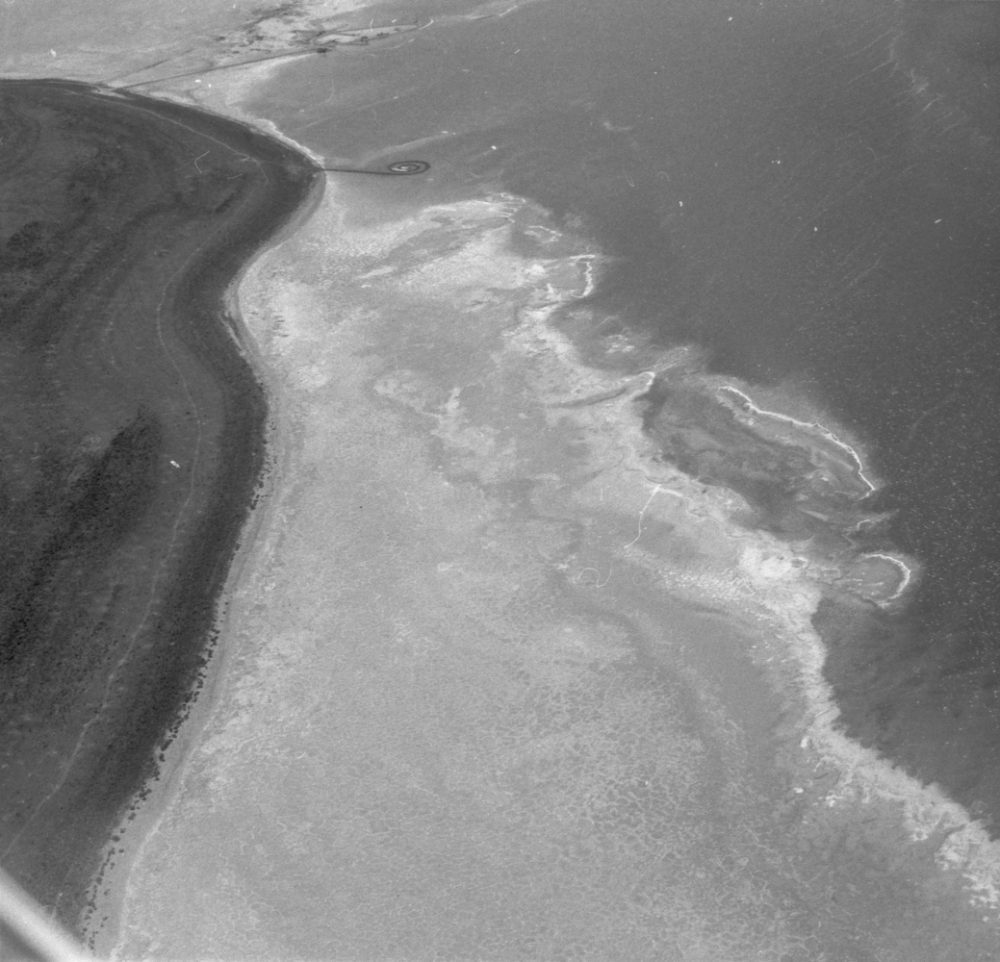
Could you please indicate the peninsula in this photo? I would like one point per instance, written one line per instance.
(132, 429)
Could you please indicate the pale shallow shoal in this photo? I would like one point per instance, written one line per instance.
(493, 677)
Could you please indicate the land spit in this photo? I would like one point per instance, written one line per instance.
(133, 444)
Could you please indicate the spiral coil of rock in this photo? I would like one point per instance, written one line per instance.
(397, 168)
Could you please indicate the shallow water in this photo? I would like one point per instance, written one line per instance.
(498, 681)
(807, 194)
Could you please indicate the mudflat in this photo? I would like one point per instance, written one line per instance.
(132, 430)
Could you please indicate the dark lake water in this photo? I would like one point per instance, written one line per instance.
(809, 193)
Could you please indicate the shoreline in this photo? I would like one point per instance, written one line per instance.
(235, 777)
(99, 927)
(178, 611)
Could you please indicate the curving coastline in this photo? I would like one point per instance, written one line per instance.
(509, 653)
(133, 432)
(496, 606)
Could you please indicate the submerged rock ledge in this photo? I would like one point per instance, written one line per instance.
(132, 430)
